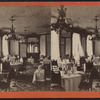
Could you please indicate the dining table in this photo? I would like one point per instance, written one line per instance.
(65, 64)
(71, 82)
(97, 66)
(16, 66)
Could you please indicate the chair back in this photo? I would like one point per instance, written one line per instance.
(55, 76)
(6, 66)
(54, 62)
(40, 75)
(11, 75)
(94, 74)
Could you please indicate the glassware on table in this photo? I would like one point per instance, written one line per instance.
(69, 72)
(74, 70)
(62, 73)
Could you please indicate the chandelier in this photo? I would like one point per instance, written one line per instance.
(25, 38)
(12, 35)
(95, 36)
(62, 23)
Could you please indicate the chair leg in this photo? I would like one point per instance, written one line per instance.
(8, 89)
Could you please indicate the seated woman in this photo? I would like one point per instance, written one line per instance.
(38, 78)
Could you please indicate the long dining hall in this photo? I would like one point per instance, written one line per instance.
(44, 49)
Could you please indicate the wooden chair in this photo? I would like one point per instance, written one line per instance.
(6, 85)
(47, 75)
(23, 66)
(56, 80)
(96, 85)
(87, 84)
(6, 67)
(39, 79)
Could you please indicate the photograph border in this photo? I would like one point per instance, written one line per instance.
(48, 94)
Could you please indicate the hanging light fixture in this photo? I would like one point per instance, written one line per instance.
(95, 36)
(25, 39)
(62, 23)
(12, 35)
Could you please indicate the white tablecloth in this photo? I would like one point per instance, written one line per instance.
(71, 83)
(98, 67)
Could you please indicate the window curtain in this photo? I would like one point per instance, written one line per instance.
(5, 46)
(89, 46)
(55, 53)
(30, 48)
(77, 47)
(42, 45)
(36, 50)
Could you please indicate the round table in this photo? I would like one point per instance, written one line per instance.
(71, 83)
(16, 66)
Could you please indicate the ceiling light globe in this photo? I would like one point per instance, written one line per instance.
(93, 35)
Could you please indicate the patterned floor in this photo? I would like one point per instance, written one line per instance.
(23, 81)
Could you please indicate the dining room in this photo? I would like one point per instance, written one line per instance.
(24, 31)
(76, 50)
(49, 50)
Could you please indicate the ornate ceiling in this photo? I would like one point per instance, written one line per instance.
(37, 18)
(81, 15)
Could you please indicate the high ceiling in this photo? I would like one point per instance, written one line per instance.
(82, 14)
(37, 18)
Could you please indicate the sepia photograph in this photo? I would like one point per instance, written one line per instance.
(49, 48)
(75, 52)
(24, 34)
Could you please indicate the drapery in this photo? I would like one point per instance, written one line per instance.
(5, 46)
(42, 45)
(77, 47)
(30, 48)
(89, 46)
(36, 50)
(55, 52)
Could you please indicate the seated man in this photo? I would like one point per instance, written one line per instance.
(38, 78)
(55, 75)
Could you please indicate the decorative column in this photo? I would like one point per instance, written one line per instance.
(46, 45)
(42, 45)
(55, 43)
(86, 45)
(19, 49)
(39, 44)
(71, 54)
(60, 36)
(93, 47)
(1, 46)
(64, 46)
